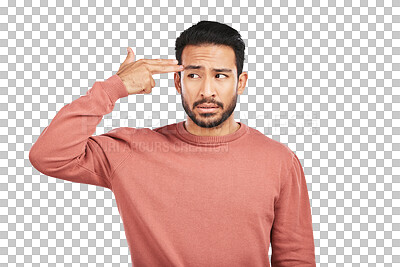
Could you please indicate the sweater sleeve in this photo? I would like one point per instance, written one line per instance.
(292, 239)
(66, 148)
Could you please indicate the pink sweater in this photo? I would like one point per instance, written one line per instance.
(185, 200)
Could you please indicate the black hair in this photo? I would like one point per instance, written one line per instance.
(215, 33)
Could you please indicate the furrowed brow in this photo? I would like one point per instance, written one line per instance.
(196, 67)
(193, 67)
(222, 70)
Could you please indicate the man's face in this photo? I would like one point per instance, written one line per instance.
(209, 77)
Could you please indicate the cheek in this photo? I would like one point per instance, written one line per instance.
(227, 89)
(190, 83)
(190, 89)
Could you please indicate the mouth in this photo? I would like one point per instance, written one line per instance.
(207, 108)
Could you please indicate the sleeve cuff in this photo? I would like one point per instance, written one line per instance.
(115, 88)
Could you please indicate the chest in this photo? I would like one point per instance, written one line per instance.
(209, 184)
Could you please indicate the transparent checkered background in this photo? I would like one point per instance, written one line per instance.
(324, 78)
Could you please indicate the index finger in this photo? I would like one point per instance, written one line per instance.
(164, 68)
(160, 61)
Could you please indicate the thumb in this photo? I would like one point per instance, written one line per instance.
(130, 58)
(131, 55)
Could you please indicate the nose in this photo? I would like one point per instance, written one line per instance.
(207, 88)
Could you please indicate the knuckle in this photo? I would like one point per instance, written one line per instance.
(140, 62)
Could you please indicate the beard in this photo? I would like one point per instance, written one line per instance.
(210, 120)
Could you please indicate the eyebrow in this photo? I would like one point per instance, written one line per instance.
(195, 67)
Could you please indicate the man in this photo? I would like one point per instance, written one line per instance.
(208, 191)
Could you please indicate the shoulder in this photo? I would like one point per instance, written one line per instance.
(272, 149)
(141, 135)
(169, 128)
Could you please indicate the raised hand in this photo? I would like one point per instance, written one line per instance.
(137, 75)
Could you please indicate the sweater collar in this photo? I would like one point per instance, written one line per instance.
(196, 139)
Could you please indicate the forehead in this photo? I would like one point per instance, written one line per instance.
(209, 56)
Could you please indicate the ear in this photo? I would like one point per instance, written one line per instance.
(177, 81)
(242, 82)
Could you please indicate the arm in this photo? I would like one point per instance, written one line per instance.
(66, 148)
(292, 238)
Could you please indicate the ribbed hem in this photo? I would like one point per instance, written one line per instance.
(115, 88)
(211, 140)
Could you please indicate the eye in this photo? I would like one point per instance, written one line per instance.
(222, 74)
(191, 74)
